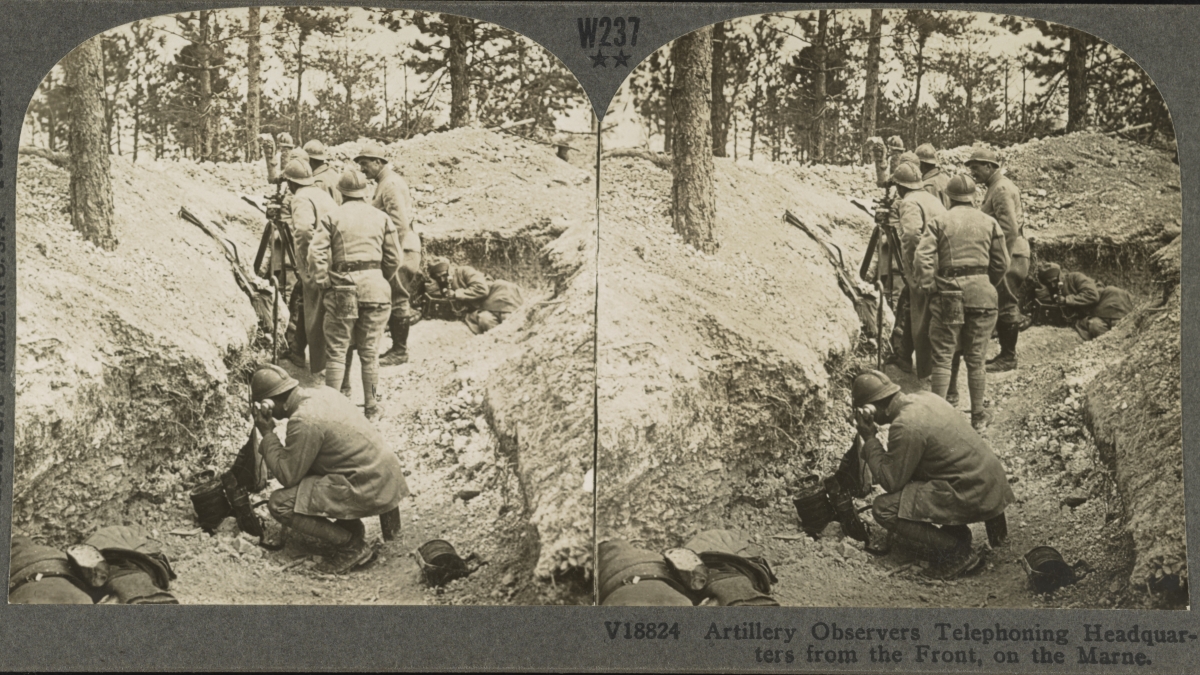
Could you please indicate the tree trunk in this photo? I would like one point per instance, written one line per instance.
(460, 86)
(720, 114)
(206, 98)
(138, 92)
(253, 85)
(821, 54)
(693, 204)
(91, 200)
(1077, 106)
(871, 95)
(912, 110)
(299, 90)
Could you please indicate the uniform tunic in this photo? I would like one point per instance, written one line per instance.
(309, 207)
(327, 180)
(392, 197)
(943, 470)
(1003, 202)
(335, 456)
(916, 209)
(934, 182)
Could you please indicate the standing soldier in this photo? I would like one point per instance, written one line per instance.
(959, 260)
(1003, 202)
(883, 172)
(391, 197)
(915, 208)
(323, 176)
(308, 206)
(933, 179)
(352, 256)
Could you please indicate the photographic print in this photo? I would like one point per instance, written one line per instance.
(306, 312)
(889, 316)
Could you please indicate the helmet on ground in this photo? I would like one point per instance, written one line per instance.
(298, 172)
(352, 183)
(270, 381)
(961, 188)
(371, 151)
(315, 150)
(984, 156)
(925, 153)
(439, 266)
(1049, 273)
(908, 176)
(872, 386)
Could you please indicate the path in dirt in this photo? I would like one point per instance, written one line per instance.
(1039, 435)
(441, 467)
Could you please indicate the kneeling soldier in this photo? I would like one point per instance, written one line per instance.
(936, 470)
(487, 302)
(333, 465)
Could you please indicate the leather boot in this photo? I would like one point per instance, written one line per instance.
(398, 354)
(1006, 360)
(320, 529)
(952, 391)
(951, 555)
(346, 390)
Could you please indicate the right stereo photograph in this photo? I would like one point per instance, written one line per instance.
(889, 316)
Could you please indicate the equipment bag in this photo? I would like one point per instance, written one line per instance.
(343, 302)
(950, 304)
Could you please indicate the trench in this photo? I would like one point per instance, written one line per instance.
(1123, 263)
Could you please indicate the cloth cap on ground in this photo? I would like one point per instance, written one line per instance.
(298, 172)
(925, 153)
(721, 548)
(872, 386)
(907, 176)
(315, 149)
(439, 266)
(985, 155)
(961, 188)
(1049, 273)
(352, 183)
(896, 143)
(270, 381)
(372, 151)
(133, 544)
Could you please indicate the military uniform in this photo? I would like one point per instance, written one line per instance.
(934, 182)
(352, 255)
(1003, 202)
(488, 302)
(326, 179)
(958, 261)
(308, 208)
(917, 208)
(391, 197)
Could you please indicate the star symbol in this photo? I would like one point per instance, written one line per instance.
(621, 59)
(599, 59)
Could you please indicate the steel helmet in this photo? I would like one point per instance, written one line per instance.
(271, 381)
(299, 172)
(961, 188)
(925, 153)
(371, 151)
(908, 176)
(438, 266)
(909, 157)
(315, 150)
(895, 143)
(352, 183)
(295, 153)
(872, 386)
(1049, 273)
(285, 139)
(984, 155)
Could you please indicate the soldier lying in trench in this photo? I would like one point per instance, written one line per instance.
(463, 292)
(1075, 299)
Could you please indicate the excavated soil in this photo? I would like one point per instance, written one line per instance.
(700, 447)
(491, 469)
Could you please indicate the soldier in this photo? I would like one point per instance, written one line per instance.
(933, 180)
(884, 171)
(961, 257)
(334, 464)
(915, 209)
(323, 175)
(1003, 202)
(352, 255)
(487, 302)
(308, 206)
(936, 470)
(1094, 309)
(391, 197)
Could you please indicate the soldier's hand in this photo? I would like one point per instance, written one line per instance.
(263, 419)
(864, 421)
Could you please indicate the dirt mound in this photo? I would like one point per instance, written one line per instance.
(715, 371)
(123, 357)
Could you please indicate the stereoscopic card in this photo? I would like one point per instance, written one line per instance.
(477, 334)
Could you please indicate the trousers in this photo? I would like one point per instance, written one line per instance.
(402, 284)
(1009, 289)
(971, 338)
(364, 333)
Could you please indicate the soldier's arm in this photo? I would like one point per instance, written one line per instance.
(998, 257)
(1085, 291)
(289, 463)
(893, 468)
(304, 223)
(391, 251)
(394, 204)
(1004, 210)
(912, 224)
(475, 284)
(926, 256)
(319, 253)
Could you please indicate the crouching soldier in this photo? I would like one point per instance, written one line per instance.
(1093, 310)
(333, 465)
(936, 470)
(486, 302)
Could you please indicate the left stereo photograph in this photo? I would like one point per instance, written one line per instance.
(305, 315)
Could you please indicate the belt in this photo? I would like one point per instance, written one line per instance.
(952, 272)
(644, 571)
(46, 568)
(356, 266)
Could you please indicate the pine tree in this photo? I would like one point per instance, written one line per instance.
(91, 200)
(693, 203)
